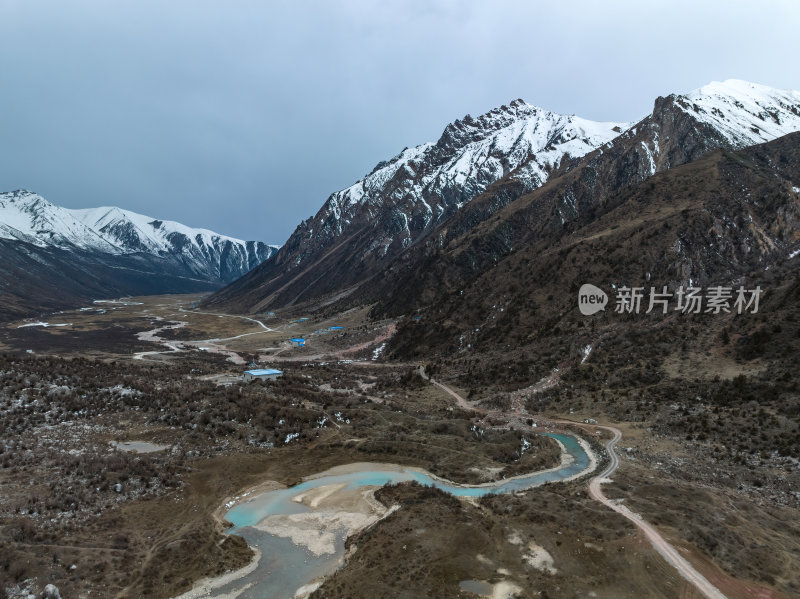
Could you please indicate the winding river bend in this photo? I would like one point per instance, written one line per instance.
(299, 541)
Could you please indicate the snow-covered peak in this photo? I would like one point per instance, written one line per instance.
(540, 126)
(746, 113)
(26, 216)
(471, 154)
(463, 131)
(137, 232)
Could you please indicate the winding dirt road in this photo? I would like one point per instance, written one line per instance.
(667, 551)
(659, 543)
(213, 345)
(242, 317)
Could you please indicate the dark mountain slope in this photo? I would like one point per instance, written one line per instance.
(335, 253)
(34, 280)
(725, 218)
(580, 189)
(52, 257)
(361, 229)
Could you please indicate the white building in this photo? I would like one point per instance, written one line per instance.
(267, 374)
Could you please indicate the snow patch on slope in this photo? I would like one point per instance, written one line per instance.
(25, 216)
(746, 113)
(28, 217)
(138, 232)
(471, 154)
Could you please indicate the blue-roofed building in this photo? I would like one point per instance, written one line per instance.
(335, 328)
(298, 342)
(262, 374)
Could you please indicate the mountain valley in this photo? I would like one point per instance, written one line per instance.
(54, 258)
(428, 320)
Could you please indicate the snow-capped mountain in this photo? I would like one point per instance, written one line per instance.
(732, 114)
(201, 249)
(746, 113)
(426, 184)
(383, 223)
(28, 217)
(507, 288)
(108, 251)
(403, 199)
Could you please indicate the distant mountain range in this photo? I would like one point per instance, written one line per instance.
(512, 176)
(52, 257)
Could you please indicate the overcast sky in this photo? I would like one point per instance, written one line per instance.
(243, 116)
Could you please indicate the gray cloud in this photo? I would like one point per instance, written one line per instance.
(242, 116)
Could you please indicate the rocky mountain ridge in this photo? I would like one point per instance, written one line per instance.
(412, 207)
(55, 257)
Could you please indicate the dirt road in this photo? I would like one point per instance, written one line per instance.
(667, 551)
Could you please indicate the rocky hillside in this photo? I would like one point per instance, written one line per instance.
(361, 229)
(727, 219)
(380, 230)
(677, 132)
